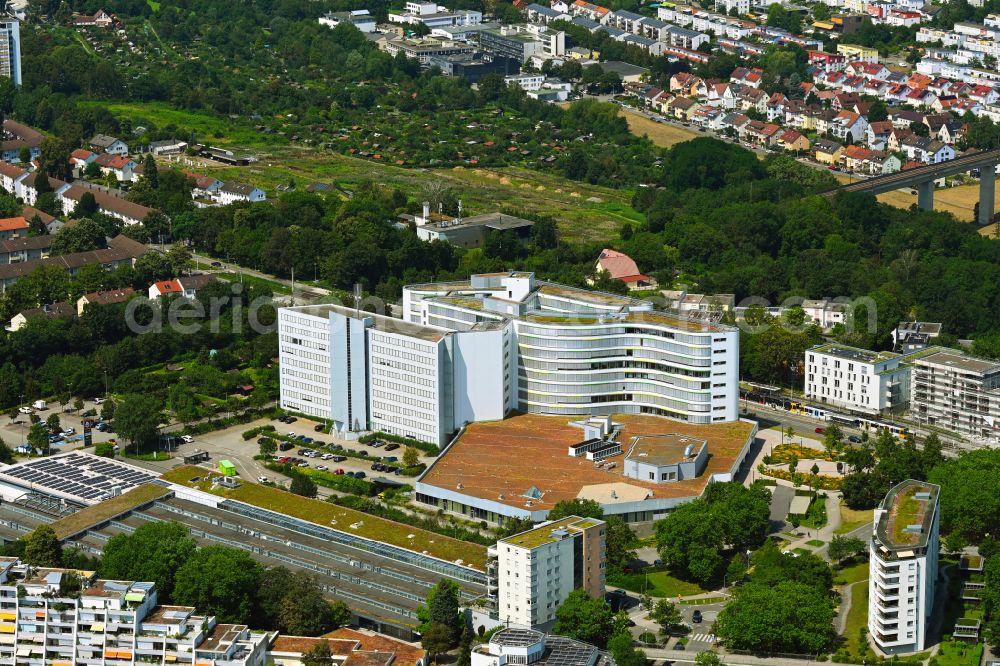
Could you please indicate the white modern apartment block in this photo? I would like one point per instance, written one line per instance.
(857, 380)
(63, 617)
(957, 393)
(904, 567)
(10, 49)
(365, 371)
(537, 569)
(585, 353)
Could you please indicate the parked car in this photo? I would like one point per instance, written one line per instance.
(854, 439)
(291, 419)
(284, 446)
(98, 401)
(338, 458)
(820, 431)
(319, 427)
(391, 446)
(390, 459)
(262, 479)
(68, 432)
(303, 464)
(696, 617)
(216, 264)
(362, 453)
(25, 410)
(187, 439)
(377, 443)
(326, 456)
(339, 471)
(321, 468)
(359, 475)
(350, 474)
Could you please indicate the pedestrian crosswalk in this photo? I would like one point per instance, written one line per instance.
(701, 638)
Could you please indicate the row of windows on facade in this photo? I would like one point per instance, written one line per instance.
(310, 322)
(290, 351)
(303, 333)
(405, 367)
(293, 395)
(428, 359)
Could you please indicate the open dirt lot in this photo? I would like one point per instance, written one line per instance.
(662, 134)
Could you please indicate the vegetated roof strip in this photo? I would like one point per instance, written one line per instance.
(339, 518)
(111, 508)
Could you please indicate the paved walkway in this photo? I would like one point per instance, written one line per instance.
(688, 657)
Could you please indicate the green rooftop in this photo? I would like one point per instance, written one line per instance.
(543, 535)
(337, 517)
(98, 514)
(907, 517)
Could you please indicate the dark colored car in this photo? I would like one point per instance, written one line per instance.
(359, 475)
(284, 446)
(696, 617)
(854, 439)
(216, 264)
(319, 427)
(291, 419)
(391, 447)
(338, 458)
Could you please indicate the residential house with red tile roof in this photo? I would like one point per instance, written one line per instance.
(13, 227)
(619, 266)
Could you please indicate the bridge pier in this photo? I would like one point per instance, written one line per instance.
(987, 188)
(925, 195)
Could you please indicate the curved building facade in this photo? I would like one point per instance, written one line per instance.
(581, 353)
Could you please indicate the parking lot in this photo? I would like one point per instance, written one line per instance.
(228, 444)
(15, 431)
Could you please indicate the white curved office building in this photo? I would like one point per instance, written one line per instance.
(479, 349)
(582, 353)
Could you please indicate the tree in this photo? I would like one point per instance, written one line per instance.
(708, 658)
(442, 609)
(620, 544)
(38, 438)
(584, 618)
(410, 456)
(154, 552)
(86, 206)
(436, 641)
(83, 236)
(465, 647)
(303, 610)
(104, 449)
(52, 422)
(138, 418)
(150, 172)
(842, 548)
(267, 446)
(42, 548)
(302, 485)
(786, 617)
(667, 616)
(584, 508)
(737, 569)
(625, 653)
(220, 581)
(36, 227)
(318, 655)
(969, 505)
(6, 455)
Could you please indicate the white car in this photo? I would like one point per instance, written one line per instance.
(327, 456)
(321, 468)
(68, 432)
(98, 401)
(25, 410)
(187, 439)
(262, 479)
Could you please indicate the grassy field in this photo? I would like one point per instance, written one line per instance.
(851, 520)
(583, 212)
(216, 130)
(339, 518)
(662, 134)
(276, 287)
(957, 653)
(852, 574)
(857, 617)
(656, 584)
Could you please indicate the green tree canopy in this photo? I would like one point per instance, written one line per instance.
(154, 552)
(584, 618)
(42, 548)
(789, 616)
(220, 581)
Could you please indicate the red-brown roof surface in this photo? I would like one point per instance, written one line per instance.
(509, 457)
(618, 265)
(406, 654)
(13, 223)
